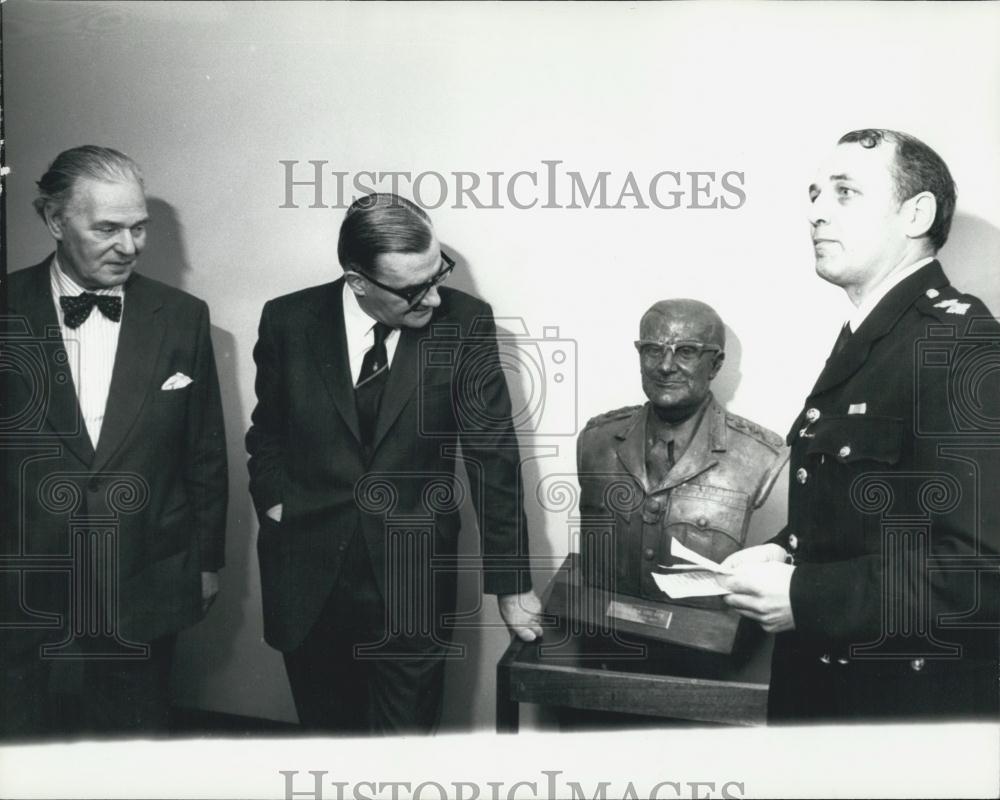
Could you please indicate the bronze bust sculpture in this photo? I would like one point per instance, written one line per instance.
(678, 467)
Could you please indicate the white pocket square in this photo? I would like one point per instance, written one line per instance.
(176, 381)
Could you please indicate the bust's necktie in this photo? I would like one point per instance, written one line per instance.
(371, 382)
(660, 459)
(77, 308)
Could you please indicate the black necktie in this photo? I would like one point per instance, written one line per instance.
(77, 309)
(371, 382)
(841, 343)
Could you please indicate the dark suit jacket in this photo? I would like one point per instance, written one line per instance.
(305, 453)
(159, 469)
(894, 517)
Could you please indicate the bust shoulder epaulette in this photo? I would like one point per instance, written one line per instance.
(948, 304)
(611, 416)
(755, 431)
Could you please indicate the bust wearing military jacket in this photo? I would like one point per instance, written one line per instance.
(704, 501)
(679, 467)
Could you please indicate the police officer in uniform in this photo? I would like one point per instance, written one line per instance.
(882, 586)
(680, 466)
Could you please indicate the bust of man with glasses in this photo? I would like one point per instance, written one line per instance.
(679, 467)
(352, 464)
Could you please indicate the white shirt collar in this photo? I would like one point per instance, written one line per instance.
(355, 317)
(359, 329)
(67, 286)
(881, 290)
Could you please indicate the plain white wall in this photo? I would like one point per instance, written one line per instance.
(209, 97)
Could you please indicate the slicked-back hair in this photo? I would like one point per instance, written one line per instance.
(916, 168)
(381, 223)
(55, 187)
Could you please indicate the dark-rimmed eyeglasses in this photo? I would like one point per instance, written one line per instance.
(686, 353)
(412, 295)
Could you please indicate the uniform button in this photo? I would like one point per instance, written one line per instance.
(917, 664)
(844, 451)
(812, 414)
(648, 553)
(702, 522)
(825, 658)
(793, 542)
(801, 475)
(842, 661)
(342, 547)
(932, 293)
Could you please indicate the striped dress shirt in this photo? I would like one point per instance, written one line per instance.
(91, 349)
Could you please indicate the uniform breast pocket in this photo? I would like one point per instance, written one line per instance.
(858, 437)
(711, 520)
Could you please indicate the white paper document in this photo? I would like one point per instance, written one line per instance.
(697, 579)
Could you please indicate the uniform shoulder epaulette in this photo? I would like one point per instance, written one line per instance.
(611, 416)
(752, 429)
(947, 304)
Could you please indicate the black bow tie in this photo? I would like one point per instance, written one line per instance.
(77, 309)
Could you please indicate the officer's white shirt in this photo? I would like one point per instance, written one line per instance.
(91, 349)
(360, 330)
(881, 290)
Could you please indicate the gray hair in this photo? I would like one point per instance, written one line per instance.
(89, 161)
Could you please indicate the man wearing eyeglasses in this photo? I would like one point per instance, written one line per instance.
(695, 472)
(357, 542)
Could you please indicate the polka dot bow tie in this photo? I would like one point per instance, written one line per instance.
(77, 309)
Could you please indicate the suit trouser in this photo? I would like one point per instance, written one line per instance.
(86, 695)
(392, 684)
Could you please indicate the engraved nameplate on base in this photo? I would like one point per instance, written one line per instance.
(711, 630)
(658, 617)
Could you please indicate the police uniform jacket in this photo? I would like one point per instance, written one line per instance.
(893, 517)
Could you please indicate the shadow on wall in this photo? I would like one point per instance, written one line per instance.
(728, 380)
(210, 669)
(165, 257)
(470, 681)
(971, 258)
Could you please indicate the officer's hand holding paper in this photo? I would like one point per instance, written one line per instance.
(699, 578)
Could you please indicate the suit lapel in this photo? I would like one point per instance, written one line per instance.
(328, 341)
(134, 375)
(63, 409)
(841, 366)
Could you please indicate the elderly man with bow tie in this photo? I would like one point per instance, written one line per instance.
(114, 474)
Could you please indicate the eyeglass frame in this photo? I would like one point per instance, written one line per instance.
(702, 348)
(412, 295)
